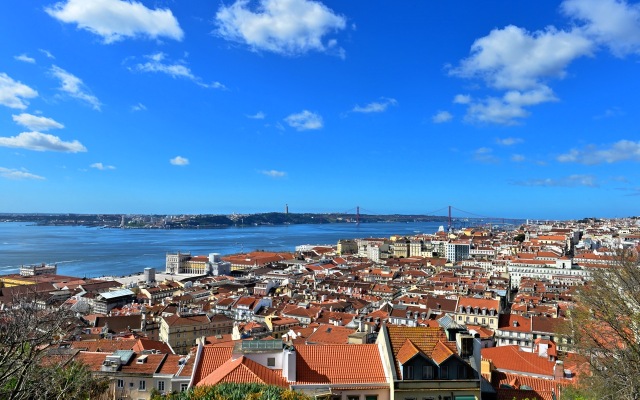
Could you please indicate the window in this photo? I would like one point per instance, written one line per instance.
(120, 383)
(143, 385)
(444, 372)
(462, 372)
(409, 372)
(271, 362)
(370, 397)
(427, 372)
(161, 386)
(184, 387)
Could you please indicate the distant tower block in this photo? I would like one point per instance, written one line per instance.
(122, 222)
(149, 275)
(286, 209)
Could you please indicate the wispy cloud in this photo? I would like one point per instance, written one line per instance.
(179, 161)
(258, 115)
(509, 141)
(138, 107)
(289, 27)
(272, 173)
(485, 155)
(41, 142)
(13, 94)
(74, 87)
(100, 166)
(462, 99)
(16, 174)
(36, 123)
(47, 53)
(176, 69)
(569, 181)
(442, 116)
(517, 158)
(376, 106)
(623, 150)
(610, 113)
(305, 120)
(25, 58)
(115, 20)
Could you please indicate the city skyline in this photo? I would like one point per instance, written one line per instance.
(518, 110)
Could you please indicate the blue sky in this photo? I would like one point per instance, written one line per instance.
(501, 108)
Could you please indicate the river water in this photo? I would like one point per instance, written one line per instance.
(93, 252)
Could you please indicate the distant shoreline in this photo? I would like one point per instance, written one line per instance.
(141, 221)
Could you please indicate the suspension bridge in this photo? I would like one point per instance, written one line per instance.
(453, 216)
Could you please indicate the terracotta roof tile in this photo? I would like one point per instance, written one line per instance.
(211, 358)
(441, 353)
(244, 370)
(339, 364)
(407, 352)
(510, 358)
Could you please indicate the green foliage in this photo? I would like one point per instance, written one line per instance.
(235, 391)
(604, 329)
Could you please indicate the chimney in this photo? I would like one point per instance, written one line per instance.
(289, 363)
(558, 370)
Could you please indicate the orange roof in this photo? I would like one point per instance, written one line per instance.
(244, 370)
(330, 334)
(511, 358)
(211, 358)
(334, 364)
(407, 352)
(441, 353)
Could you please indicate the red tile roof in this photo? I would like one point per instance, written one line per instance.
(244, 370)
(339, 364)
(510, 358)
(212, 358)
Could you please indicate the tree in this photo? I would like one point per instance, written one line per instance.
(28, 328)
(237, 391)
(604, 328)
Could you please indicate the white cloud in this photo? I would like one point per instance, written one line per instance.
(442, 116)
(569, 181)
(376, 106)
(485, 155)
(305, 120)
(180, 161)
(36, 123)
(513, 58)
(613, 23)
(258, 115)
(520, 63)
(178, 69)
(13, 93)
(41, 142)
(623, 150)
(100, 166)
(25, 58)
(517, 158)
(510, 141)
(139, 107)
(47, 53)
(281, 26)
(462, 99)
(74, 87)
(9, 173)
(115, 20)
(509, 109)
(273, 173)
